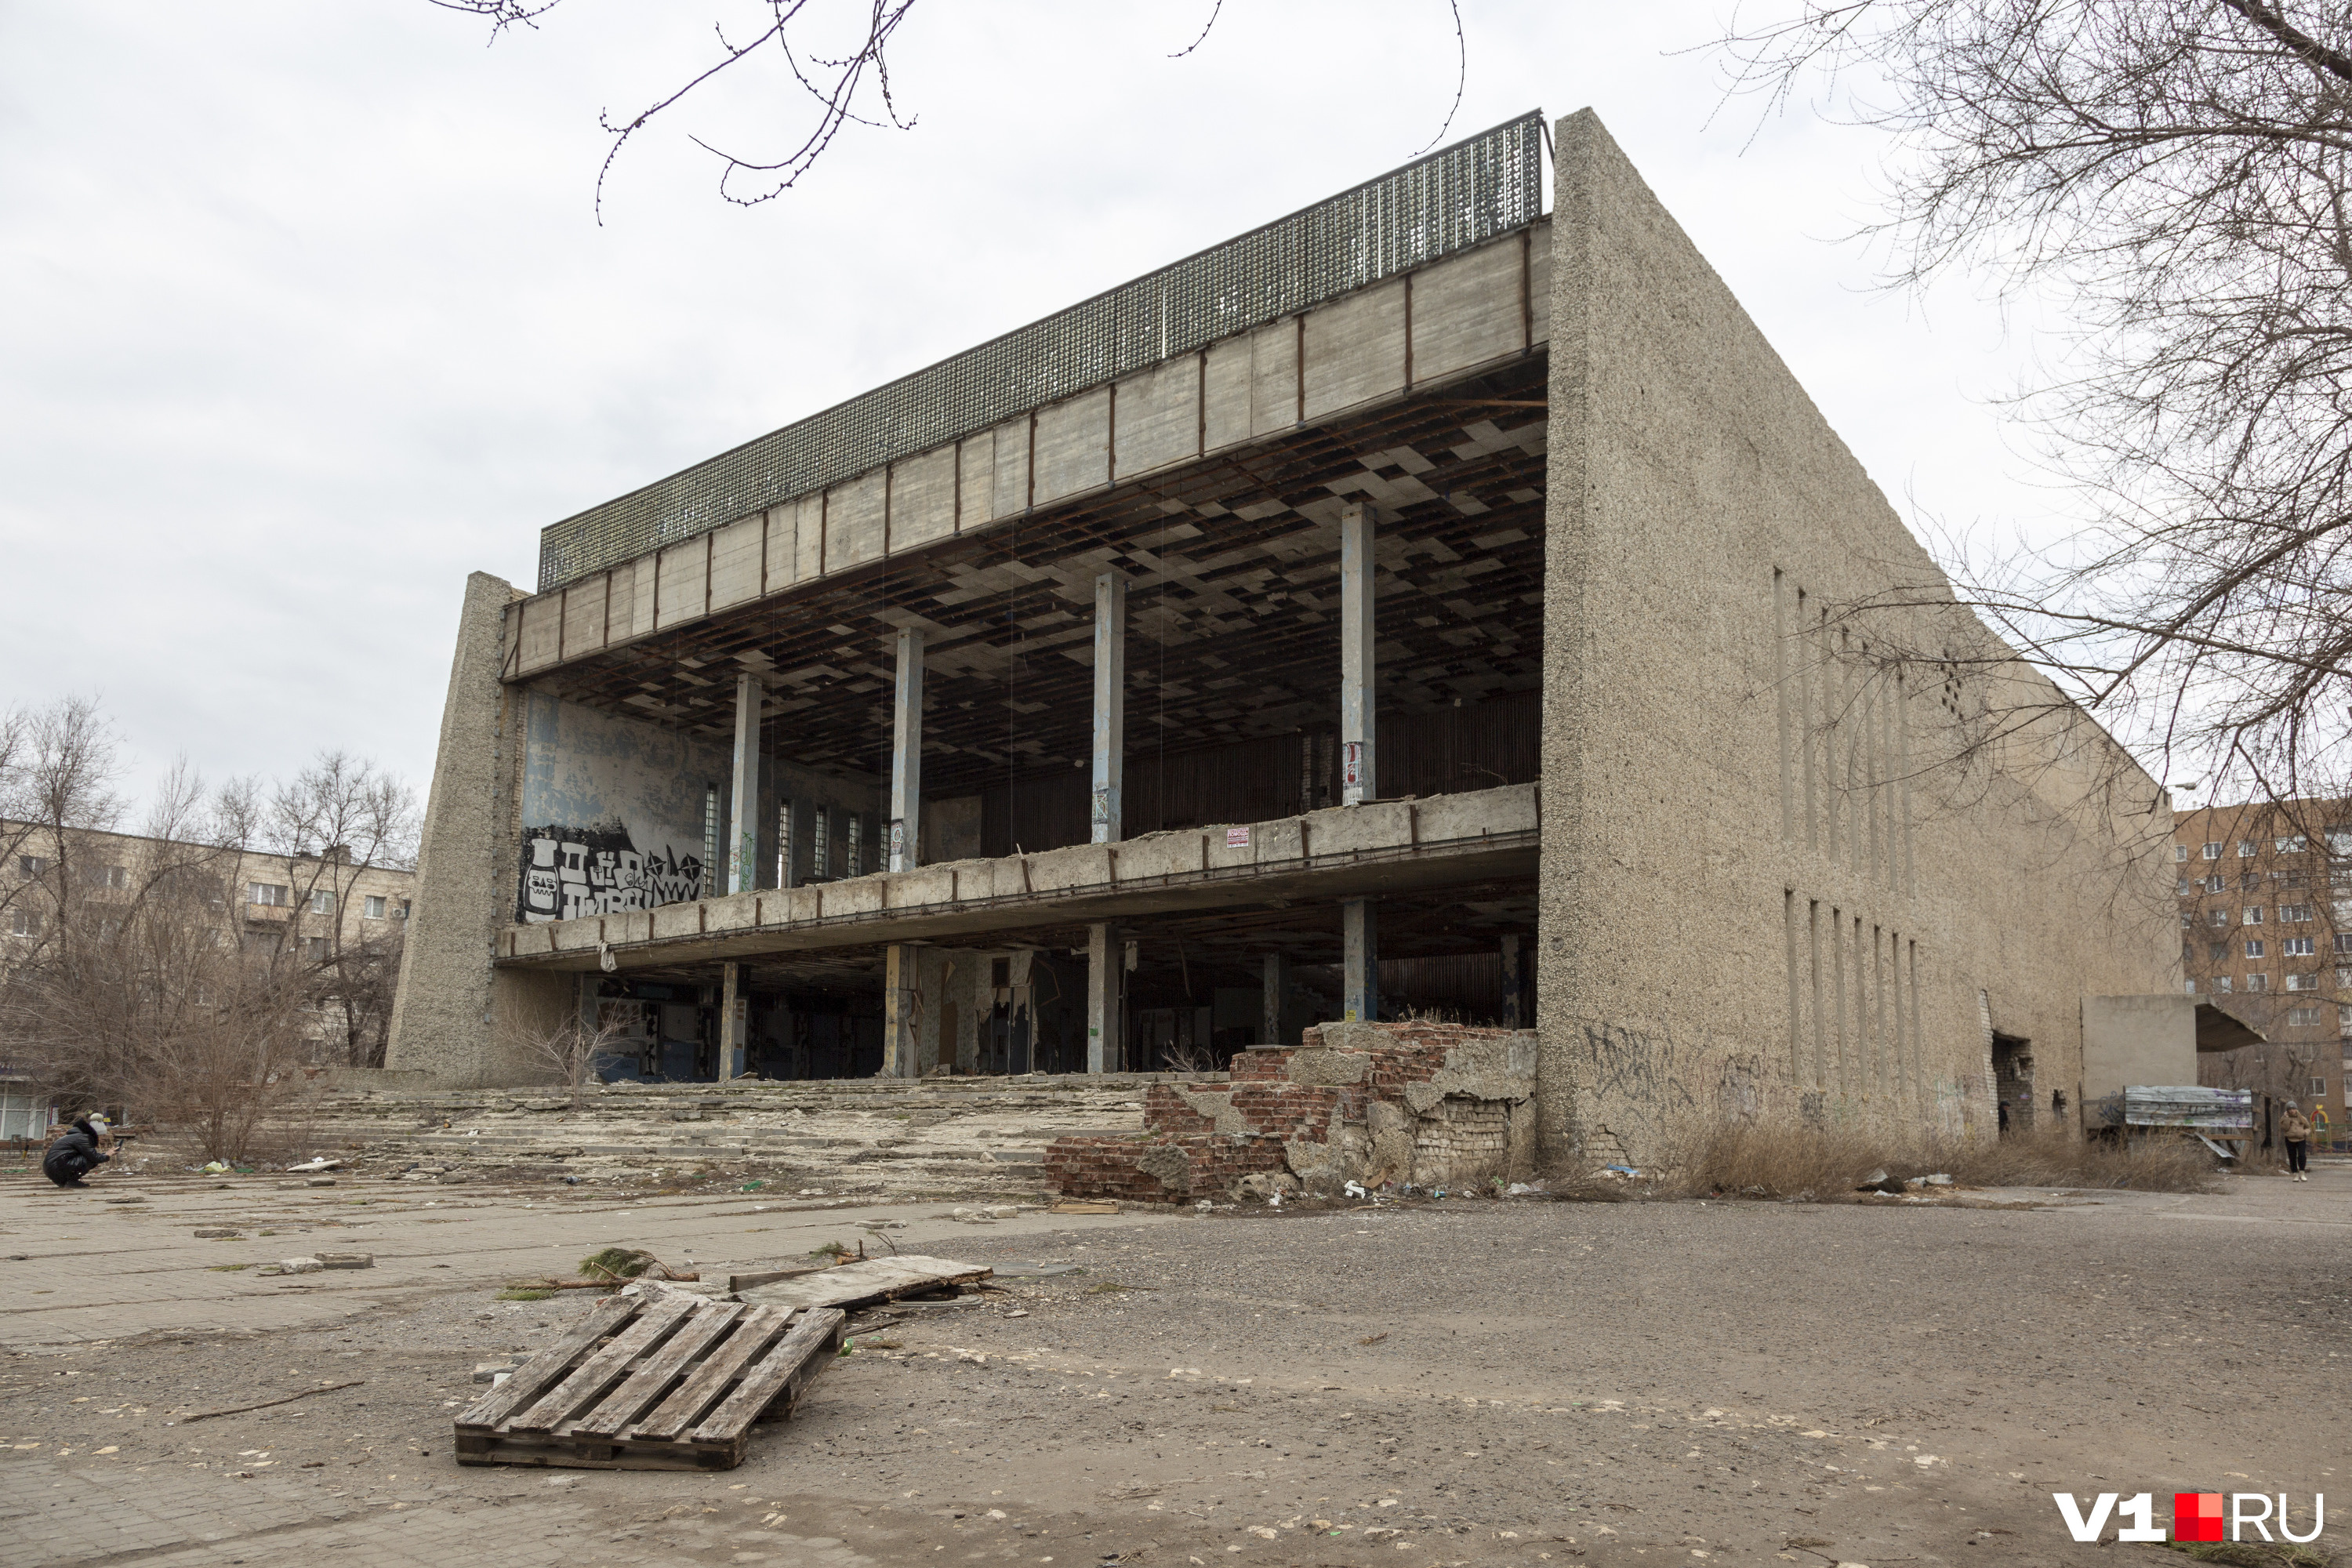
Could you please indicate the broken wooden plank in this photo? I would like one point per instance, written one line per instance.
(757, 1330)
(867, 1280)
(541, 1372)
(595, 1376)
(780, 1379)
(662, 1368)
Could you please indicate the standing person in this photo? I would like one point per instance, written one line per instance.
(2295, 1128)
(77, 1153)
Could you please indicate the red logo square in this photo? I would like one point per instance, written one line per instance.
(2197, 1516)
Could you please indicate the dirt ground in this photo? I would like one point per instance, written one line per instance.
(1458, 1383)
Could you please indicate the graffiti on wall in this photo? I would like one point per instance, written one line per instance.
(568, 872)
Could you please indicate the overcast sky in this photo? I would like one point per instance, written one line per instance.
(309, 314)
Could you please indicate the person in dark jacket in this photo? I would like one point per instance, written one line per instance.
(74, 1156)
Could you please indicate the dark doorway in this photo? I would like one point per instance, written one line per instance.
(2012, 1078)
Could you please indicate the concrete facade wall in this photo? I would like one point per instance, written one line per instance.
(2129, 1040)
(1474, 309)
(1798, 853)
(612, 816)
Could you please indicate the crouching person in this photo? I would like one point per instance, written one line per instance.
(76, 1155)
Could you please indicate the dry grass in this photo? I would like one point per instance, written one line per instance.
(1735, 1158)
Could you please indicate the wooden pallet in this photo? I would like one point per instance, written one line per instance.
(673, 1383)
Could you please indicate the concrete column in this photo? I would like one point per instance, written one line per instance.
(1356, 783)
(1105, 974)
(1277, 995)
(744, 823)
(907, 755)
(1515, 1008)
(1110, 707)
(1360, 967)
(899, 1000)
(734, 1022)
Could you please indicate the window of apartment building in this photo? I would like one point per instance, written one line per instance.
(2217, 953)
(24, 922)
(2221, 985)
(2296, 946)
(401, 912)
(2301, 1018)
(2292, 914)
(2213, 852)
(2289, 879)
(2318, 1085)
(2339, 840)
(2188, 918)
(316, 946)
(2344, 942)
(2249, 879)
(2214, 883)
(2253, 915)
(2183, 888)
(269, 894)
(2294, 845)
(2217, 917)
(107, 877)
(2187, 953)
(2343, 1017)
(2258, 982)
(2344, 979)
(2304, 980)
(2179, 853)
(31, 865)
(373, 909)
(2248, 850)
(322, 902)
(2254, 948)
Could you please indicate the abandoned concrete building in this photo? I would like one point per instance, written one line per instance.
(1427, 607)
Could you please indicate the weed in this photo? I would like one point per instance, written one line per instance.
(230, 1267)
(1739, 1158)
(515, 1293)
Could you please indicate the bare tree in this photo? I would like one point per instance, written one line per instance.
(571, 1053)
(835, 57)
(2175, 171)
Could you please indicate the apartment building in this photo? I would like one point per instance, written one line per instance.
(343, 920)
(2265, 894)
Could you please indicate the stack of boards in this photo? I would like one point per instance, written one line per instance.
(671, 1383)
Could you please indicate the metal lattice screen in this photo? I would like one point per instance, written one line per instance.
(1449, 200)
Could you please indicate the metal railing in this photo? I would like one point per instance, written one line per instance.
(1457, 197)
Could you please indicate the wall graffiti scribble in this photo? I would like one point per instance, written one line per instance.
(568, 872)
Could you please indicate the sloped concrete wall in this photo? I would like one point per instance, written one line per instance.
(1809, 832)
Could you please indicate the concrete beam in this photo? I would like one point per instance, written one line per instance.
(1110, 707)
(907, 755)
(743, 824)
(1360, 963)
(1106, 992)
(1357, 721)
(1321, 858)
